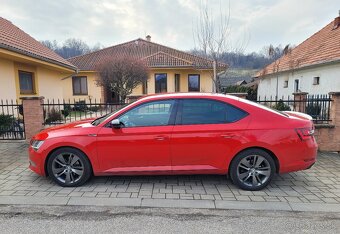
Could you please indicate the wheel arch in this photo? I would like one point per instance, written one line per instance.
(271, 153)
(60, 147)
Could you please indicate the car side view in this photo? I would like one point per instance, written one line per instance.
(174, 134)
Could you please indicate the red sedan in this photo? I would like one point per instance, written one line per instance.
(191, 133)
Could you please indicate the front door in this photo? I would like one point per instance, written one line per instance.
(142, 144)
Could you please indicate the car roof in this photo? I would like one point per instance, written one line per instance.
(187, 95)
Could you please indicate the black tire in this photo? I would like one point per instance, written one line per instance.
(68, 175)
(261, 169)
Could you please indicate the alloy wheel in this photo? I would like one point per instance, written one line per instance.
(67, 168)
(253, 170)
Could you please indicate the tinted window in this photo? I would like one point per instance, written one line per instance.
(149, 114)
(194, 83)
(161, 83)
(209, 112)
(79, 85)
(26, 82)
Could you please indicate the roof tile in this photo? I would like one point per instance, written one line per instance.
(14, 39)
(156, 55)
(322, 47)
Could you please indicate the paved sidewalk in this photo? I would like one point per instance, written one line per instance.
(316, 189)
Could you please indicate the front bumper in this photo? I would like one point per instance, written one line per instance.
(36, 162)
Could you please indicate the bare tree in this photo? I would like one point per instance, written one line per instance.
(275, 54)
(212, 37)
(71, 47)
(122, 74)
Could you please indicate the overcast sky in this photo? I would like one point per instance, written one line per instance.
(170, 22)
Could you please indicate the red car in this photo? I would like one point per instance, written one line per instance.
(183, 133)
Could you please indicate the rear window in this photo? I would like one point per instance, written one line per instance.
(200, 111)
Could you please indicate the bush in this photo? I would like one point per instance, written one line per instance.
(53, 116)
(313, 110)
(281, 106)
(67, 110)
(252, 93)
(80, 106)
(94, 108)
(6, 122)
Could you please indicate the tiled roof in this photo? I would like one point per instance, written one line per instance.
(14, 39)
(156, 55)
(162, 59)
(322, 47)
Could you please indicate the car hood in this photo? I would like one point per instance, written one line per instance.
(83, 127)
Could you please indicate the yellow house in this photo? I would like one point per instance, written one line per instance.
(27, 68)
(171, 70)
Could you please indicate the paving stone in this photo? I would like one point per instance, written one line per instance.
(319, 185)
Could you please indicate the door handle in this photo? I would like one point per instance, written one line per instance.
(160, 138)
(227, 136)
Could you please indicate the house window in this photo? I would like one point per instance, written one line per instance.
(161, 83)
(316, 80)
(296, 86)
(285, 84)
(79, 84)
(177, 82)
(26, 82)
(194, 83)
(145, 87)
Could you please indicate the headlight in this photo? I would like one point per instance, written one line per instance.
(36, 144)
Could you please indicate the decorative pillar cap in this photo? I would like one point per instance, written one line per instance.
(32, 98)
(300, 93)
(334, 93)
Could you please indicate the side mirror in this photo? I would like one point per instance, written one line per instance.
(115, 123)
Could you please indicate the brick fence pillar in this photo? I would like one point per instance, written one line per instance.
(240, 95)
(335, 109)
(33, 115)
(300, 99)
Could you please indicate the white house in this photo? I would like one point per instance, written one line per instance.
(313, 66)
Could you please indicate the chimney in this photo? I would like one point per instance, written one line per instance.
(337, 22)
(148, 38)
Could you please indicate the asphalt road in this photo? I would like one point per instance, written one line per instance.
(61, 219)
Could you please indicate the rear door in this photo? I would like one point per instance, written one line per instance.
(205, 133)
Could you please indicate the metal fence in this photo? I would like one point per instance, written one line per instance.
(11, 120)
(62, 111)
(317, 106)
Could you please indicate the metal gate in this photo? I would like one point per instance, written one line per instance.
(11, 120)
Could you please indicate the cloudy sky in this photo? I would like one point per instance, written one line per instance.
(255, 23)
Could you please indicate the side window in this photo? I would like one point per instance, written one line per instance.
(201, 111)
(149, 114)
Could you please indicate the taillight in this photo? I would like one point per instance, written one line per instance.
(305, 133)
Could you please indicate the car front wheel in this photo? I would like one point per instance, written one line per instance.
(252, 169)
(69, 167)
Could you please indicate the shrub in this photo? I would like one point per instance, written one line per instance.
(6, 122)
(252, 93)
(313, 110)
(53, 116)
(80, 106)
(67, 110)
(281, 106)
(94, 108)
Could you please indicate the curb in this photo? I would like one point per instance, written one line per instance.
(169, 203)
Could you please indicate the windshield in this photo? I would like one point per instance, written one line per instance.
(101, 119)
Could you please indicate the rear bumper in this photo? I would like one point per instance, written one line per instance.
(303, 158)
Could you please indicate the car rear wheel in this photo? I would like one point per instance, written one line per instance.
(69, 167)
(252, 169)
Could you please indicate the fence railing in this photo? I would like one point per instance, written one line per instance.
(11, 120)
(65, 111)
(317, 106)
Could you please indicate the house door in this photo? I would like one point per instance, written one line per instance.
(111, 97)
